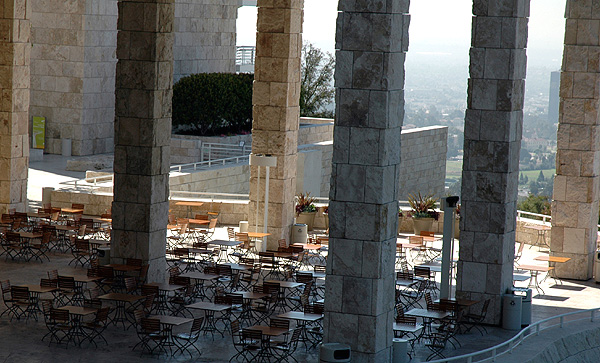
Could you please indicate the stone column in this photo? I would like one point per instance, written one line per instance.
(493, 128)
(144, 83)
(276, 112)
(577, 182)
(15, 48)
(371, 42)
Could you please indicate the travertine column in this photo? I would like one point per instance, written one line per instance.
(15, 48)
(143, 132)
(372, 39)
(493, 128)
(276, 112)
(577, 182)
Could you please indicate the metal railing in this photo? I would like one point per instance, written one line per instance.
(244, 55)
(534, 329)
(207, 164)
(212, 150)
(536, 216)
(104, 181)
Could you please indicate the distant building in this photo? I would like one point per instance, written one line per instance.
(553, 98)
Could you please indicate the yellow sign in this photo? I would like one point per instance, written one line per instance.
(39, 132)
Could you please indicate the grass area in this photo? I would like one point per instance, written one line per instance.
(533, 174)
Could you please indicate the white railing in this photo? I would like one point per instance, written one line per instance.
(509, 345)
(207, 164)
(104, 181)
(175, 194)
(211, 150)
(245, 55)
(544, 217)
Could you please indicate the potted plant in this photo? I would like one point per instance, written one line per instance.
(305, 209)
(423, 211)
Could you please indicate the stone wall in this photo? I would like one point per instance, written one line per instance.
(72, 72)
(186, 149)
(204, 36)
(234, 179)
(314, 133)
(423, 161)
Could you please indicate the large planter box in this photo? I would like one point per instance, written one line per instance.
(307, 218)
(422, 224)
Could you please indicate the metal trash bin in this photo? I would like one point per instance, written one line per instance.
(299, 233)
(243, 226)
(334, 352)
(511, 312)
(400, 350)
(526, 295)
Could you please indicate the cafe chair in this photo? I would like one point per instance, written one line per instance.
(189, 339)
(96, 327)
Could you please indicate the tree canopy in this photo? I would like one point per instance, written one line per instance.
(316, 91)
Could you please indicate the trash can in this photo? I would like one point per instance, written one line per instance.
(334, 352)
(104, 256)
(597, 267)
(400, 350)
(526, 295)
(511, 312)
(243, 226)
(66, 147)
(299, 233)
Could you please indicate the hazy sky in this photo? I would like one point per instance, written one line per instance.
(439, 26)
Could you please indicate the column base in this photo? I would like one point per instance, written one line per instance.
(579, 267)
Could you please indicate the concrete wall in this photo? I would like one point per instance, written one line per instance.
(228, 179)
(310, 133)
(204, 37)
(185, 149)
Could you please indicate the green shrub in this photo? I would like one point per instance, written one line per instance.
(213, 104)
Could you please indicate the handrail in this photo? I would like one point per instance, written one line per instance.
(545, 218)
(206, 195)
(223, 150)
(508, 345)
(209, 163)
(245, 55)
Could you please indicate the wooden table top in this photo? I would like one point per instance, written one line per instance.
(279, 254)
(62, 227)
(39, 289)
(123, 267)
(166, 287)
(308, 246)
(250, 295)
(424, 313)
(258, 234)
(286, 284)
(71, 210)
(299, 315)
(535, 268)
(267, 330)
(199, 275)
(38, 215)
(190, 203)
(30, 235)
(78, 310)
(552, 258)
(205, 305)
(171, 320)
(221, 242)
(198, 221)
(237, 266)
(121, 297)
(82, 278)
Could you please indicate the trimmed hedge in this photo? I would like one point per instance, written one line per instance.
(208, 104)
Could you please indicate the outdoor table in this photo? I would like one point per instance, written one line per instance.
(77, 313)
(552, 261)
(62, 232)
(25, 243)
(541, 234)
(199, 292)
(283, 297)
(428, 316)
(168, 323)
(303, 319)
(120, 315)
(189, 204)
(35, 291)
(238, 267)
(120, 270)
(534, 270)
(209, 315)
(223, 246)
(163, 294)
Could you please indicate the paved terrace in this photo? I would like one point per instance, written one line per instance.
(22, 341)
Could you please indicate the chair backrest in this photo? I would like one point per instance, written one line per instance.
(81, 244)
(133, 262)
(203, 217)
(427, 234)
(66, 282)
(224, 270)
(282, 243)
(230, 233)
(5, 286)
(130, 284)
(279, 323)
(102, 315)
(19, 293)
(428, 299)
(241, 237)
(407, 320)
(138, 315)
(143, 273)
(417, 240)
(211, 270)
(53, 275)
(149, 290)
(197, 324)
(48, 283)
(320, 268)
(149, 302)
(421, 271)
(400, 275)
(235, 326)
(106, 272)
(181, 280)
(150, 325)
(252, 335)
(212, 224)
(58, 315)
(303, 277)
(520, 250)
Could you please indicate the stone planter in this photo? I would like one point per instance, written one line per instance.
(307, 218)
(422, 224)
(326, 216)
